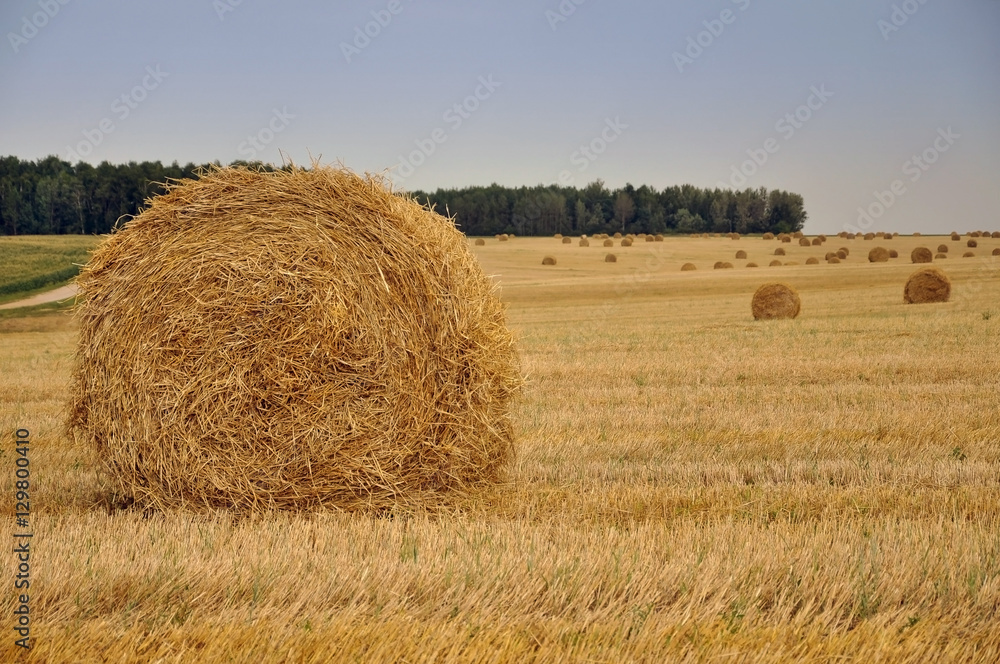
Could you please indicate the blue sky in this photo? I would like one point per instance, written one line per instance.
(832, 99)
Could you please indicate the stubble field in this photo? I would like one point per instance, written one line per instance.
(691, 485)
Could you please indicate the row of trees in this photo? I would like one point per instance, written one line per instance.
(52, 196)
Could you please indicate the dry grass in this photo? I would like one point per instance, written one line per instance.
(824, 490)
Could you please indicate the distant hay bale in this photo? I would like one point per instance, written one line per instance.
(842, 254)
(775, 300)
(816, 242)
(584, 242)
(955, 237)
(296, 339)
(869, 236)
(943, 248)
(821, 237)
(969, 254)
(549, 260)
(996, 252)
(972, 244)
(804, 242)
(609, 243)
(751, 264)
(850, 236)
(774, 263)
(735, 236)
(975, 234)
(626, 242)
(503, 237)
(786, 238)
(649, 238)
(610, 258)
(618, 236)
(921, 255)
(741, 254)
(996, 235)
(779, 252)
(511, 236)
(834, 259)
(567, 240)
(558, 236)
(718, 265)
(916, 234)
(727, 266)
(658, 238)
(829, 255)
(798, 234)
(812, 260)
(480, 242)
(878, 255)
(927, 285)
(687, 267)
(847, 252)
(767, 236)
(893, 253)
(940, 256)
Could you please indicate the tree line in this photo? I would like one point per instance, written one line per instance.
(52, 196)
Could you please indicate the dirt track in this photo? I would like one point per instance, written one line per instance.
(61, 293)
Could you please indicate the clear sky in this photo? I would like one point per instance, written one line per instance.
(890, 106)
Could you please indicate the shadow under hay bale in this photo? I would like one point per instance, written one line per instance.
(775, 300)
(921, 255)
(927, 285)
(296, 339)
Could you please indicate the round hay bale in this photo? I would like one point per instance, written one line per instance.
(558, 236)
(779, 252)
(296, 339)
(878, 255)
(718, 265)
(549, 260)
(893, 253)
(942, 248)
(940, 256)
(842, 254)
(816, 242)
(847, 252)
(812, 260)
(834, 259)
(955, 237)
(972, 244)
(609, 243)
(727, 266)
(767, 236)
(741, 254)
(775, 300)
(480, 242)
(567, 240)
(511, 236)
(774, 263)
(996, 235)
(735, 236)
(503, 237)
(975, 234)
(626, 242)
(921, 255)
(658, 237)
(649, 238)
(618, 236)
(829, 255)
(804, 242)
(916, 234)
(584, 242)
(610, 258)
(969, 254)
(869, 236)
(751, 265)
(786, 238)
(797, 235)
(821, 237)
(996, 252)
(928, 284)
(687, 267)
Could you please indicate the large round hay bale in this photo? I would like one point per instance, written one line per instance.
(741, 254)
(291, 339)
(618, 236)
(649, 238)
(767, 236)
(558, 236)
(928, 284)
(969, 254)
(972, 244)
(549, 260)
(942, 248)
(816, 242)
(829, 255)
(921, 255)
(878, 255)
(658, 238)
(779, 252)
(996, 252)
(503, 237)
(955, 237)
(609, 243)
(869, 236)
(834, 259)
(567, 240)
(718, 265)
(804, 242)
(995, 235)
(812, 260)
(798, 234)
(480, 242)
(893, 253)
(774, 263)
(626, 242)
(584, 242)
(610, 258)
(775, 300)
(916, 234)
(687, 267)
(786, 238)
(842, 254)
